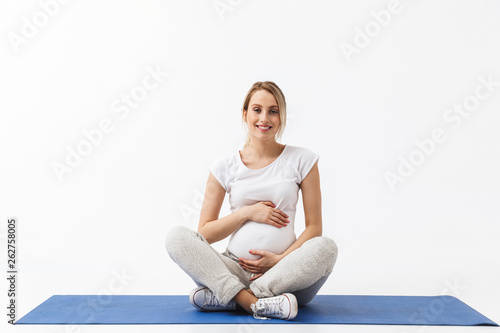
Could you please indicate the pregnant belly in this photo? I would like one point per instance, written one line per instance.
(259, 236)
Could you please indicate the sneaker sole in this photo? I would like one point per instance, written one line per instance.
(191, 298)
(293, 306)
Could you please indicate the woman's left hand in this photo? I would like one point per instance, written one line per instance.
(261, 265)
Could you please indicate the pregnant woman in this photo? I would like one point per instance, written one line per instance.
(265, 269)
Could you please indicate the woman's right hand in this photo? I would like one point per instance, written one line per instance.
(265, 212)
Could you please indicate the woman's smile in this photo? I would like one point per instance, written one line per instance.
(264, 128)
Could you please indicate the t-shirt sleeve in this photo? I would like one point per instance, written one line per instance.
(307, 159)
(218, 169)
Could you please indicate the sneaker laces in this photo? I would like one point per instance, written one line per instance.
(268, 306)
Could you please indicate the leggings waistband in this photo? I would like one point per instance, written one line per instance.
(231, 255)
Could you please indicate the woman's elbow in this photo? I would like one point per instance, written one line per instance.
(206, 235)
(316, 229)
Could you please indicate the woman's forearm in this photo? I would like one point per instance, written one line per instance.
(309, 233)
(219, 229)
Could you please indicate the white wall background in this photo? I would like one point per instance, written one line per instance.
(65, 72)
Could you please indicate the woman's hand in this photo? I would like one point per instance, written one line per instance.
(266, 212)
(261, 265)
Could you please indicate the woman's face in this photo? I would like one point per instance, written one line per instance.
(263, 111)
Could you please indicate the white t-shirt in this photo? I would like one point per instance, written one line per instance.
(277, 182)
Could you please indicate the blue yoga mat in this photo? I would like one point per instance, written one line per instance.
(323, 309)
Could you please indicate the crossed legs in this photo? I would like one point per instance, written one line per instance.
(306, 269)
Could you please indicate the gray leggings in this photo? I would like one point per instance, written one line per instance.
(302, 272)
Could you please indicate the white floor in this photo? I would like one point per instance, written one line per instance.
(254, 328)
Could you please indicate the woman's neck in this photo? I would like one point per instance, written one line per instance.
(264, 150)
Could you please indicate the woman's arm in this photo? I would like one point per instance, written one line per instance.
(311, 198)
(212, 203)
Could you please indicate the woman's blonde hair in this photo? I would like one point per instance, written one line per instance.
(278, 95)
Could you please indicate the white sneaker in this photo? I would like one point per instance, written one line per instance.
(204, 299)
(283, 306)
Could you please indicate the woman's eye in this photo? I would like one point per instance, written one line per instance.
(273, 111)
